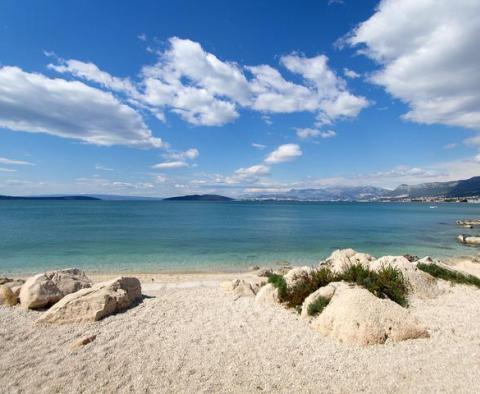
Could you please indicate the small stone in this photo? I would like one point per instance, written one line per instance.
(82, 342)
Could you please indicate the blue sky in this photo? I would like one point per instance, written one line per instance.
(166, 98)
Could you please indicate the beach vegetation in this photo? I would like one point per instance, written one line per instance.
(449, 275)
(278, 281)
(388, 282)
(316, 307)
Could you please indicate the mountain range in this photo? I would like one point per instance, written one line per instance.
(453, 189)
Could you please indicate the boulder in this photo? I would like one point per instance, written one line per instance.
(4, 280)
(45, 289)
(297, 274)
(95, 303)
(326, 292)
(7, 296)
(355, 316)
(268, 294)
(341, 258)
(469, 239)
(422, 284)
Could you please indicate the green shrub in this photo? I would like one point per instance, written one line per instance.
(315, 308)
(388, 282)
(278, 281)
(450, 275)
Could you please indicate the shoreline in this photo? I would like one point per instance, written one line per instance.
(468, 263)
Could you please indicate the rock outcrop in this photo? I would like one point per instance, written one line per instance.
(45, 289)
(469, 239)
(342, 258)
(297, 274)
(422, 284)
(268, 294)
(326, 292)
(355, 316)
(95, 303)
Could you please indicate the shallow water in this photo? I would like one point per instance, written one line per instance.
(145, 236)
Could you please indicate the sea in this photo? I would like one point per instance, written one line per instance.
(192, 236)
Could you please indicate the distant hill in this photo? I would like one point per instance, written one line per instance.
(466, 188)
(461, 188)
(337, 193)
(199, 197)
(55, 198)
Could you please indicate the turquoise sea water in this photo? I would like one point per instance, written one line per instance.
(156, 236)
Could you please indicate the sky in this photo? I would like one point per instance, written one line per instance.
(163, 98)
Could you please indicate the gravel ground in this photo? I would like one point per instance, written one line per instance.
(190, 336)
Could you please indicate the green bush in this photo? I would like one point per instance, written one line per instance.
(450, 275)
(388, 282)
(315, 308)
(278, 281)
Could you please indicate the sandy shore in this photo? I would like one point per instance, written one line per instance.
(188, 336)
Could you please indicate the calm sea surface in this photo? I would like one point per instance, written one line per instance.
(159, 236)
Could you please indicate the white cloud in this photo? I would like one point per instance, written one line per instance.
(169, 165)
(284, 153)
(189, 154)
(256, 170)
(258, 146)
(429, 56)
(91, 72)
(69, 109)
(102, 168)
(206, 91)
(4, 160)
(7, 169)
(313, 133)
(350, 73)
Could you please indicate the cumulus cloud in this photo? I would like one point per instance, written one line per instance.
(429, 57)
(170, 165)
(91, 72)
(307, 133)
(69, 109)
(284, 153)
(4, 160)
(206, 91)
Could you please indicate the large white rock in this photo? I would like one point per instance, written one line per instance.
(45, 289)
(297, 274)
(342, 258)
(355, 316)
(95, 303)
(420, 283)
(326, 292)
(268, 294)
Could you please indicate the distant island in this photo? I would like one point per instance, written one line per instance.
(199, 197)
(50, 198)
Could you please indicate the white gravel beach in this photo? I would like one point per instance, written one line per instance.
(188, 335)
